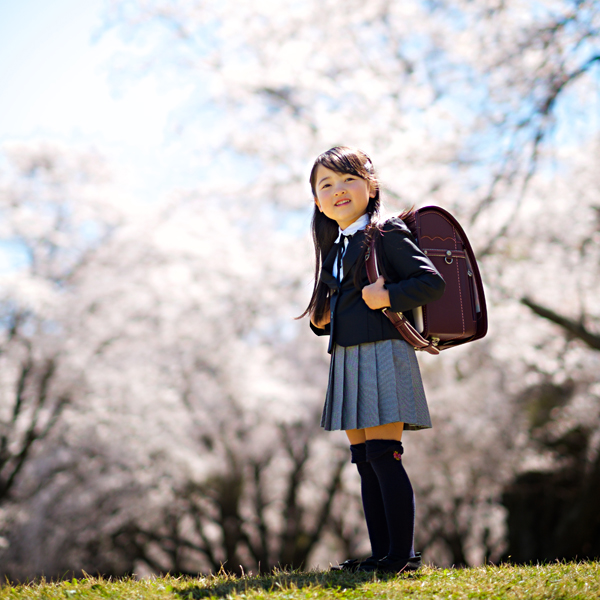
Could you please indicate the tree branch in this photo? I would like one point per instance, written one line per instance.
(574, 328)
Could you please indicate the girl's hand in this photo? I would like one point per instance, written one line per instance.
(375, 295)
(324, 321)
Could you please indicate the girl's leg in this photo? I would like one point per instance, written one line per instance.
(356, 436)
(371, 497)
(384, 454)
(391, 431)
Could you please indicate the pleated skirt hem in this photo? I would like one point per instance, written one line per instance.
(375, 384)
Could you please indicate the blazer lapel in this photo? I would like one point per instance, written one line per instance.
(355, 247)
(327, 268)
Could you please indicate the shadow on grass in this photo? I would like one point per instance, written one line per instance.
(223, 586)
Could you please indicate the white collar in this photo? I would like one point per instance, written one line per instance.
(358, 225)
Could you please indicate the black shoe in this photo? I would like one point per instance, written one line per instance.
(354, 564)
(390, 565)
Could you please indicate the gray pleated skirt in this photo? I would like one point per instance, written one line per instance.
(375, 384)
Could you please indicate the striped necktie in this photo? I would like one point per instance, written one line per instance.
(342, 251)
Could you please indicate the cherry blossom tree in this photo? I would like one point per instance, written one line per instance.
(45, 228)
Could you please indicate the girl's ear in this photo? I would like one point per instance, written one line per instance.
(317, 203)
(372, 189)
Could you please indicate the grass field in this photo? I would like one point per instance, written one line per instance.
(559, 580)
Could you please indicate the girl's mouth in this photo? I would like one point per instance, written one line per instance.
(342, 202)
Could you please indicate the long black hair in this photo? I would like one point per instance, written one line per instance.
(340, 159)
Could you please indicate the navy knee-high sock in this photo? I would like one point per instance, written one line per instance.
(385, 456)
(372, 502)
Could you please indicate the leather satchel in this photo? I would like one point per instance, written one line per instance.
(460, 315)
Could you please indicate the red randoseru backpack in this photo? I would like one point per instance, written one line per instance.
(460, 315)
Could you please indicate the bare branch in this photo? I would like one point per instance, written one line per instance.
(575, 329)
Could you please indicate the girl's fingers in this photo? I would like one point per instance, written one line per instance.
(376, 295)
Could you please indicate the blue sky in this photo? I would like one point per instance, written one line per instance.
(55, 68)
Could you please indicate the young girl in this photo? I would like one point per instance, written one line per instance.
(375, 390)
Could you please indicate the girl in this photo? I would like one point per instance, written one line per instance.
(375, 390)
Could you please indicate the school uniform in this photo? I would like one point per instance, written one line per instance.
(374, 376)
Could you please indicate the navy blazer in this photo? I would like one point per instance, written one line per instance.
(412, 281)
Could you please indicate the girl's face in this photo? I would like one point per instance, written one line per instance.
(341, 196)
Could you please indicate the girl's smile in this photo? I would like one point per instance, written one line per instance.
(343, 197)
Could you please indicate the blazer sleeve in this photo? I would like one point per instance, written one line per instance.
(415, 281)
(321, 330)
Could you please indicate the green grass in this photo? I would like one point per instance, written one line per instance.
(558, 580)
